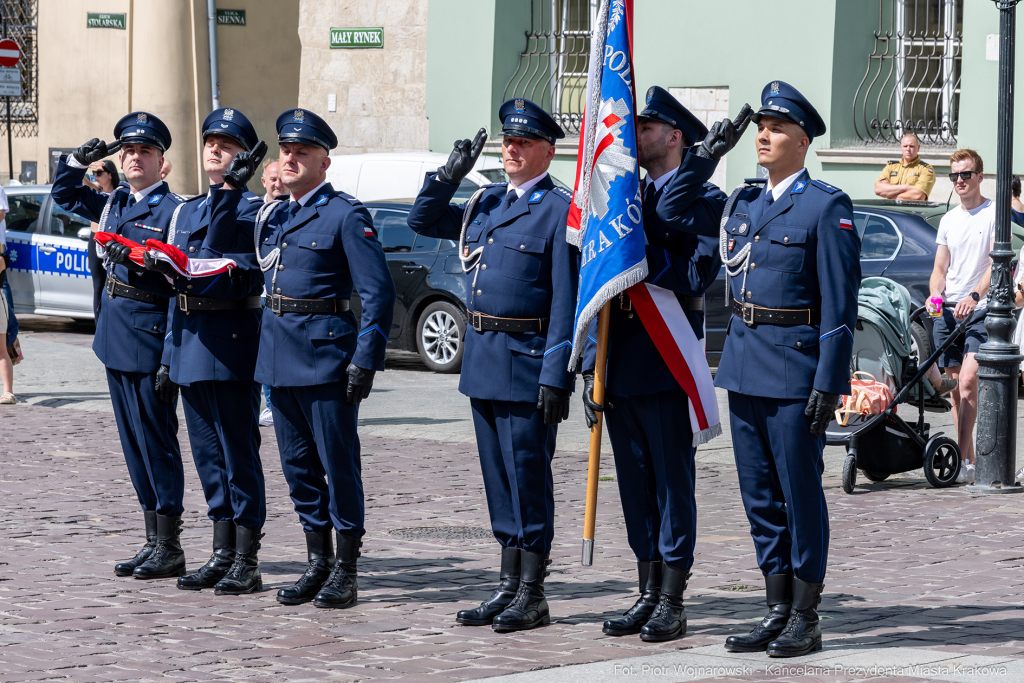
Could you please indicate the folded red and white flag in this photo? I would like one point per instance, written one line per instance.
(665, 321)
(188, 267)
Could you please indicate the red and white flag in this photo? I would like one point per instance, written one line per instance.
(188, 267)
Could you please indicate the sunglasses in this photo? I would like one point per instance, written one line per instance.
(966, 175)
(100, 172)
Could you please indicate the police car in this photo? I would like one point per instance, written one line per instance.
(48, 246)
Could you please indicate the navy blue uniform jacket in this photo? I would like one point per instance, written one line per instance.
(678, 261)
(131, 336)
(327, 248)
(805, 253)
(526, 270)
(216, 345)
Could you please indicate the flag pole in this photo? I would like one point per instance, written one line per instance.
(594, 468)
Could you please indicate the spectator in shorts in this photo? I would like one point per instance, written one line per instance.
(961, 276)
(271, 180)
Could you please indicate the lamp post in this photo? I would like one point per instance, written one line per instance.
(999, 358)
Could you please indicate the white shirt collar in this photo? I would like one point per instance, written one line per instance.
(781, 188)
(302, 200)
(660, 182)
(527, 186)
(142, 194)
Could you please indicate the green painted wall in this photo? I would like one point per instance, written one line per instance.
(821, 47)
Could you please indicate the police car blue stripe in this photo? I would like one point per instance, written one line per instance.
(371, 329)
(838, 330)
(555, 348)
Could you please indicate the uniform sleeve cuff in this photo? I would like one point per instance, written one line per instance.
(71, 161)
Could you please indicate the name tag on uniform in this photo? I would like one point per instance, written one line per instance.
(148, 227)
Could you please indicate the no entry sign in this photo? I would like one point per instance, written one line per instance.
(10, 53)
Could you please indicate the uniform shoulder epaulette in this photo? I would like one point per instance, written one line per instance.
(924, 163)
(563, 193)
(184, 200)
(891, 162)
(825, 186)
(755, 181)
(325, 197)
(255, 198)
(490, 185)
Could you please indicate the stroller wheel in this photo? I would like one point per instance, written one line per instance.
(850, 473)
(941, 461)
(874, 476)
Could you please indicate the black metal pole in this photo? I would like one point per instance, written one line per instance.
(999, 358)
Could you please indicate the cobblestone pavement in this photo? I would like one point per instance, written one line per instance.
(918, 576)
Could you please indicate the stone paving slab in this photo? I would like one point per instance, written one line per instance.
(917, 576)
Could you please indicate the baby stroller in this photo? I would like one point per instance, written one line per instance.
(885, 444)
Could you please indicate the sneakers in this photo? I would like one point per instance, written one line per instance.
(966, 475)
(266, 418)
(945, 386)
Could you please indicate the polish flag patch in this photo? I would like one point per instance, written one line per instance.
(368, 231)
(845, 224)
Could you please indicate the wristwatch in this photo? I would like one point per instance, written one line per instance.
(976, 297)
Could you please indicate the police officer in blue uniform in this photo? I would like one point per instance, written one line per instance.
(522, 279)
(212, 356)
(132, 329)
(792, 255)
(317, 359)
(649, 427)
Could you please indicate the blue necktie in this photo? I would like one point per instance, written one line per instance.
(131, 202)
(769, 199)
(509, 200)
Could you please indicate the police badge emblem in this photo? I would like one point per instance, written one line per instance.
(299, 116)
(775, 88)
(650, 94)
(141, 118)
(229, 114)
(520, 106)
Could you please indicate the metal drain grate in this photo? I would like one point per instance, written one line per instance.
(443, 533)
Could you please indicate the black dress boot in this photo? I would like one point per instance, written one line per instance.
(779, 591)
(640, 613)
(244, 575)
(501, 597)
(126, 568)
(669, 618)
(529, 609)
(219, 563)
(167, 558)
(802, 634)
(341, 588)
(320, 553)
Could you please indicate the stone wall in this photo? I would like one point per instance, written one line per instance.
(380, 93)
(708, 105)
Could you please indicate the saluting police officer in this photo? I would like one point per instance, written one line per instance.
(648, 416)
(522, 279)
(313, 248)
(131, 332)
(793, 259)
(215, 339)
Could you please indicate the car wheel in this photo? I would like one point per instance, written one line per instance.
(920, 345)
(441, 337)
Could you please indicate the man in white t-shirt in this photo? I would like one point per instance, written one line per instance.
(961, 276)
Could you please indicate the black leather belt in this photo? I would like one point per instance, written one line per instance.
(689, 303)
(482, 322)
(750, 314)
(115, 288)
(205, 303)
(282, 304)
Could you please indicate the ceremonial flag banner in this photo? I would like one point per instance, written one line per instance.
(188, 267)
(606, 221)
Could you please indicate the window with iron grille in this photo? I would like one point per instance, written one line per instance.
(18, 21)
(553, 66)
(912, 82)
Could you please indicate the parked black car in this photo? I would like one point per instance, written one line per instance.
(430, 316)
(897, 242)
